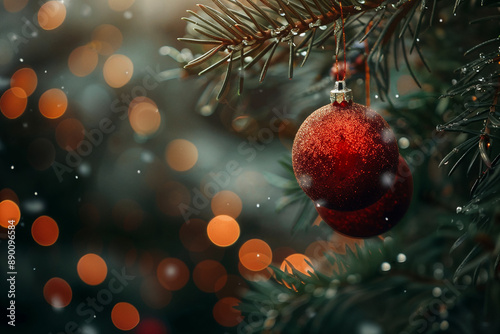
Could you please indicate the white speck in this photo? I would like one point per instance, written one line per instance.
(418, 39)
(258, 205)
(76, 177)
(268, 198)
(36, 193)
(401, 258)
(436, 292)
(12, 167)
(385, 266)
(138, 171)
(21, 60)
(386, 219)
(440, 20)
(34, 268)
(45, 71)
(397, 96)
(25, 125)
(62, 87)
(128, 15)
(376, 96)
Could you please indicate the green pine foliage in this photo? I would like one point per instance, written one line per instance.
(438, 271)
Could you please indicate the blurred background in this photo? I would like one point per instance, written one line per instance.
(120, 162)
(106, 147)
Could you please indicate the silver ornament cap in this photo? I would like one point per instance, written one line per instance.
(340, 92)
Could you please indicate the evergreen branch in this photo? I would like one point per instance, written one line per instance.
(234, 26)
(323, 303)
(263, 28)
(485, 91)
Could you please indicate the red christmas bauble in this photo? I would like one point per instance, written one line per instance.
(378, 217)
(345, 156)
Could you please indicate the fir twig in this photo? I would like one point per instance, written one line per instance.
(261, 29)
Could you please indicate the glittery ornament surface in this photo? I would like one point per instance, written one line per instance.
(378, 217)
(345, 157)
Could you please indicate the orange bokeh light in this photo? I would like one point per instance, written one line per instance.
(225, 314)
(69, 134)
(172, 273)
(26, 79)
(14, 6)
(118, 70)
(57, 292)
(193, 235)
(92, 269)
(181, 155)
(226, 202)
(120, 5)
(298, 262)
(51, 15)
(53, 103)
(140, 99)
(106, 39)
(9, 211)
(125, 316)
(209, 276)
(45, 231)
(13, 102)
(144, 118)
(223, 230)
(82, 61)
(255, 254)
